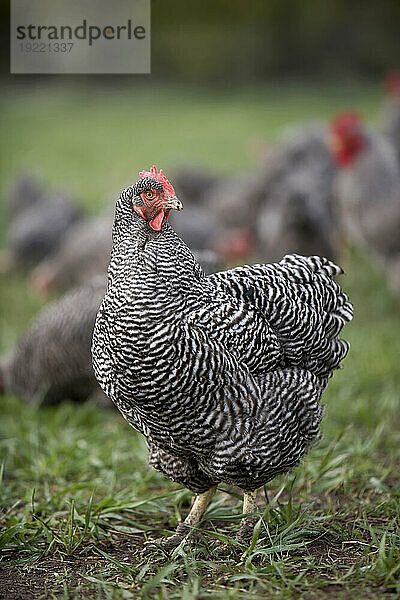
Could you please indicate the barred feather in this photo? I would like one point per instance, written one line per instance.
(52, 361)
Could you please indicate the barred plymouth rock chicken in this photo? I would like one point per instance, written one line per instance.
(287, 205)
(83, 254)
(24, 192)
(52, 360)
(37, 231)
(297, 213)
(222, 374)
(368, 191)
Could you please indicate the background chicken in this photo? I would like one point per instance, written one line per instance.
(368, 191)
(38, 225)
(193, 184)
(297, 214)
(285, 206)
(23, 193)
(83, 253)
(222, 374)
(52, 360)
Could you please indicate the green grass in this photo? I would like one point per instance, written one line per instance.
(77, 498)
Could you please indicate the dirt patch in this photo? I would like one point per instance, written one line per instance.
(49, 577)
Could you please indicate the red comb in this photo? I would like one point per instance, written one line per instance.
(160, 177)
(346, 123)
(348, 128)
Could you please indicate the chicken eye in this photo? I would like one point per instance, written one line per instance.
(149, 195)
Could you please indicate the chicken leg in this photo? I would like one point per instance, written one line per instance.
(194, 517)
(246, 528)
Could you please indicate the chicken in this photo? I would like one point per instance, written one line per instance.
(52, 361)
(230, 208)
(193, 184)
(24, 192)
(196, 228)
(84, 253)
(287, 205)
(222, 374)
(230, 244)
(368, 189)
(38, 230)
(205, 225)
(297, 214)
(235, 201)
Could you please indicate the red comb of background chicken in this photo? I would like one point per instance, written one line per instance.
(392, 83)
(348, 138)
(160, 177)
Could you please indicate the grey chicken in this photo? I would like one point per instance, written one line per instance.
(198, 229)
(24, 192)
(84, 253)
(222, 374)
(235, 201)
(193, 184)
(287, 205)
(208, 260)
(231, 207)
(297, 213)
(368, 191)
(38, 230)
(52, 360)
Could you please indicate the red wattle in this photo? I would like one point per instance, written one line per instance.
(157, 221)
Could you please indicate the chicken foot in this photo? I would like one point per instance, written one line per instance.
(194, 517)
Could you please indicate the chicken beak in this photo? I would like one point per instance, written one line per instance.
(172, 202)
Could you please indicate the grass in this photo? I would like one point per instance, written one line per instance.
(78, 500)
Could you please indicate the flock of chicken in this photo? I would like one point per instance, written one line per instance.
(321, 189)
